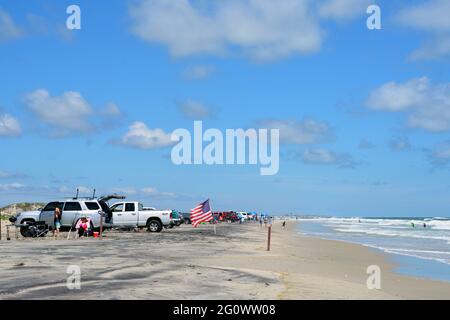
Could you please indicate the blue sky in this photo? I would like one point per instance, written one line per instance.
(364, 115)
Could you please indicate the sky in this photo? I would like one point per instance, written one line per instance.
(364, 115)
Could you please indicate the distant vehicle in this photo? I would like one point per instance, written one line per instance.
(176, 218)
(230, 216)
(252, 215)
(71, 211)
(135, 215)
(244, 215)
(186, 217)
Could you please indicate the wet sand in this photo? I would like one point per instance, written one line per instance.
(187, 263)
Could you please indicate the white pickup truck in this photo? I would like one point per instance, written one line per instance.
(135, 215)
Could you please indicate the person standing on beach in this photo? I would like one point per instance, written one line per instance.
(56, 222)
(260, 223)
(284, 224)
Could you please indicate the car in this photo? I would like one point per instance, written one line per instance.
(243, 215)
(229, 216)
(97, 210)
(186, 218)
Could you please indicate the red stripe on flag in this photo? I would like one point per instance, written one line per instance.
(203, 217)
(194, 215)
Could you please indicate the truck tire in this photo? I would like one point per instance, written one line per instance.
(154, 226)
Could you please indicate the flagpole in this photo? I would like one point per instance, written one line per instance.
(212, 212)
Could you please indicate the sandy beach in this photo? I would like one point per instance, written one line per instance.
(187, 263)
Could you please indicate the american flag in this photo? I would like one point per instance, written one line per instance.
(201, 213)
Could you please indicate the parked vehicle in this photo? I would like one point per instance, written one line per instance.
(186, 217)
(134, 215)
(243, 215)
(71, 211)
(176, 218)
(226, 216)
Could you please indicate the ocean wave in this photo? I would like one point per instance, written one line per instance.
(434, 223)
(393, 233)
(395, 236)
(413, 253)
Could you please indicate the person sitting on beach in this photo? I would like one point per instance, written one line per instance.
(56, 222)
(83, 227)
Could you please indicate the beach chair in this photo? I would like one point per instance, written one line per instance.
(37, 229)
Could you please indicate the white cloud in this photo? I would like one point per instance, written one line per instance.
(155, 193)
(427, 104)
(146, 192)
(8, 29)
(343, 9)
(326, 157)
(433, 49)
(9, 175)
(198, 72)
(141, 137)
(299, 132)
(68, 113)
(262, 30)
(11, 186)
(9, 126)
(195, 110)
(394, 96)
(125, 190)
(431, 17)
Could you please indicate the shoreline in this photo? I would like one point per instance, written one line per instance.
(404, 264)
(394, 285)
(188, 263)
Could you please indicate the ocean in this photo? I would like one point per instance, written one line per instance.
(417, 246)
